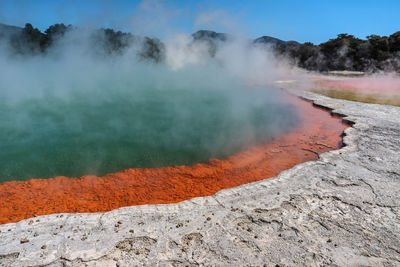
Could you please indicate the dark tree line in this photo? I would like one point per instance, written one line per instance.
(31, 41)
(346, 52)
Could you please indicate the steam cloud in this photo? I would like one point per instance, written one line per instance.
(79, 108)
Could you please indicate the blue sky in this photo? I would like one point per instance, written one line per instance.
(301, 20)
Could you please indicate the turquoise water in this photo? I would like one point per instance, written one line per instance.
(99, 132)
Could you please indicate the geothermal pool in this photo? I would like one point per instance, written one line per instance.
(88, 131)
(115, 129)
(274, 132)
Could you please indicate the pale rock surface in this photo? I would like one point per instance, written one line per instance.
(341, 210)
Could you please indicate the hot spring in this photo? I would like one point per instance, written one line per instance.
(123, 124)
(107, 129)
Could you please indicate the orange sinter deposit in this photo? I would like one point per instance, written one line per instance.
(316, 133)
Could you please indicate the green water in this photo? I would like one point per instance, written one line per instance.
(108, 131)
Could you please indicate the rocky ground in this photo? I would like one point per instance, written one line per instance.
(341, 210)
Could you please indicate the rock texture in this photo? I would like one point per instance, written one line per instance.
(343, 210)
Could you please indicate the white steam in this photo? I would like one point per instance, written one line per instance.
(69, 104)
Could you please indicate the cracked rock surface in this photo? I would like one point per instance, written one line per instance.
(341, 210)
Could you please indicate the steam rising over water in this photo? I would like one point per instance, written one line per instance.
(143, 127)
(72, 112)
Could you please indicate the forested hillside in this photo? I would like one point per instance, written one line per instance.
(346, 52)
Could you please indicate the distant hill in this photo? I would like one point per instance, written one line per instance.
(7, 30)
(209, 35)
(211, 38)
(273, 41)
